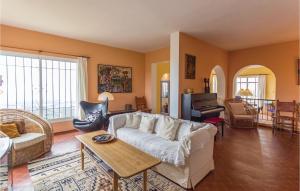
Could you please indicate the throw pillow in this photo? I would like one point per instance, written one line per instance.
(10, 130)
(147, 124)
(93, 116)
(238, 108)
(132, 121)
(20, 125)
(168, 128)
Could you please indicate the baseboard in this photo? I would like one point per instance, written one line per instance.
(63, 132)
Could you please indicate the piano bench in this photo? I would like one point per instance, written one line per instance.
(217, 121)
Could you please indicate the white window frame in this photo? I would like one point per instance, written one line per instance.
(41, 58)
(239, 84)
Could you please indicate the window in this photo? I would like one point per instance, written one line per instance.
(42, 85)
(255, 83)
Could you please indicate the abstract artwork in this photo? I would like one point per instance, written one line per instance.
(190, 66)
(114, 79)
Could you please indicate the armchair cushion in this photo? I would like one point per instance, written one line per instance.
(238, 108)
(10, 129)
(27, 140)
(91, 117)
(20, 125)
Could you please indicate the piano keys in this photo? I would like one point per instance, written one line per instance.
(200, 106)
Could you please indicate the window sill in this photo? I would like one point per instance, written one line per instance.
(60, 120)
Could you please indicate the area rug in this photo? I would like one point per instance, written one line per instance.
(63, 173)
(3, 177)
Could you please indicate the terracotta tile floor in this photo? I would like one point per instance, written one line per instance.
(245, 160)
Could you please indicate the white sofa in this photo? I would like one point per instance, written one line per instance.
(186, 160)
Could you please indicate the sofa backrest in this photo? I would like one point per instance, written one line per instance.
(185, 126)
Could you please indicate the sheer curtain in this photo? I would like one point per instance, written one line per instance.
(262, 86)
(82, 84)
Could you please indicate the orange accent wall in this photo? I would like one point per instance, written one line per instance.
(280, 58)
(156, 56)
(99, 54)
(207, 57)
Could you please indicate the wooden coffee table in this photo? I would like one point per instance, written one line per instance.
(125, 160)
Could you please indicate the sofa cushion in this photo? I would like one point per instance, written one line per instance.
(132, 120)
(165, 150)
(184, 129)
(27, 139)
(238, 108)
(147, 124)
(168, 128)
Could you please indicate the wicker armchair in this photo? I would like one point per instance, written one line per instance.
(246, 120)
(35, 142)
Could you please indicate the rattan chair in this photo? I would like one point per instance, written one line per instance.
(35, 126)
(248, 120)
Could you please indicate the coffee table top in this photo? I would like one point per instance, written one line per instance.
(124, 159)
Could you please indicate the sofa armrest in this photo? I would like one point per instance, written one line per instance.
(197, 140)
(202, 136)
(116, 122)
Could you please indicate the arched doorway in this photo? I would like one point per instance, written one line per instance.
(217, 83)
(158, 74)
(256, 84)
(258, 79)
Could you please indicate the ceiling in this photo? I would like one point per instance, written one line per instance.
(145, 25)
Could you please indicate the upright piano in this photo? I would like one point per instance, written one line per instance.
(200, 106)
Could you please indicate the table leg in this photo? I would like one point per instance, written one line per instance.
(145, 180)
(82, 155)
(115, 182)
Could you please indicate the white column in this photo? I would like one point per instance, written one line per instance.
(153, 86)
(174, 75)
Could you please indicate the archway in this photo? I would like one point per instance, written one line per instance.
(258, 79)
(217, 83)
(158, 71)
(259, 83)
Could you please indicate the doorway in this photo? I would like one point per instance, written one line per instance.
(217, 83)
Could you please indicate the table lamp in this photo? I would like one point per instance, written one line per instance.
(106, 96)
(245, 93)
(248, 93)
(241, 92)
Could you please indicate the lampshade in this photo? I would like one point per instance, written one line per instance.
(165, 77)
(241, 92)
(105, 95)
(248, 92)
(245, 92)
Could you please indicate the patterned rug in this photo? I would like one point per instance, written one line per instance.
(63, 173)
(3, 176)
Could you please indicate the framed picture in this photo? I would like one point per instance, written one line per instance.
(190, 66)
(298, 71)
(114, 79)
